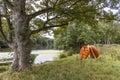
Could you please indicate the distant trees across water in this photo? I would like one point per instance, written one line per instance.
(37, 43)
(43, 43)
(3, 44)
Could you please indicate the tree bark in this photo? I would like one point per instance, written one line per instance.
(15, 64)
(22, 47)
(22, 44)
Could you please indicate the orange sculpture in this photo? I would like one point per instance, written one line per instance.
(84, 52)
(91, 50)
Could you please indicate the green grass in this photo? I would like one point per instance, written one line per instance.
(4, 68)
(105, 67)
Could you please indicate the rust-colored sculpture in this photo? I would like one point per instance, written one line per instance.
(86, 50)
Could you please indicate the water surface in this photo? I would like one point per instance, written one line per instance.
(41, 55)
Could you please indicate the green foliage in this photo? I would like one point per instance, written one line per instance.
(3, 68)
(66, 53)
(4, 24)
(74, 36)
(43, 43)
(62, 55)
(32, 58)
(4, 46)
(109, 32)
(77, 34)
(70, 52)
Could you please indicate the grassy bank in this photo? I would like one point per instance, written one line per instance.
(106, 67)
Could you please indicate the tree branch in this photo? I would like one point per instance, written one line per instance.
(74, 3)
(50, 20)
(47, 27)
(9, 4)
(39, 12)
(55, 3)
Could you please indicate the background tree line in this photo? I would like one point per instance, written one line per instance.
(43, 43)
(77, 34)
(37, 43)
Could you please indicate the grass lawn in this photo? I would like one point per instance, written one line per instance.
(105, 67)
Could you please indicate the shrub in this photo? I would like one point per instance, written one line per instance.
(32, 57)
(66, 53)
(69, 53)
(62, 55)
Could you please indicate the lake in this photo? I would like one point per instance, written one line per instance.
(45, 55)
(41, 55)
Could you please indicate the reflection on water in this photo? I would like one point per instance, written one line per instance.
(43, 58)
(46, 55)
(41, 55)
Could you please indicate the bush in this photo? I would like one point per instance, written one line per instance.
(62, 55)
(66, 53)
(32, 57)
(69, 53)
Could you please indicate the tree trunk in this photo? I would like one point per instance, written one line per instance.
(22, 46)
(21, 56)
(22, 49)
(15, 63)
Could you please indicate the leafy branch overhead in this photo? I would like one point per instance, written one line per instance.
(64, 9)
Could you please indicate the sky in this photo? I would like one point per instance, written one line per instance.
(112, 10)
(49, 35)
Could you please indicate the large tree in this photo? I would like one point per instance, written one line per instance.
(27, 17)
